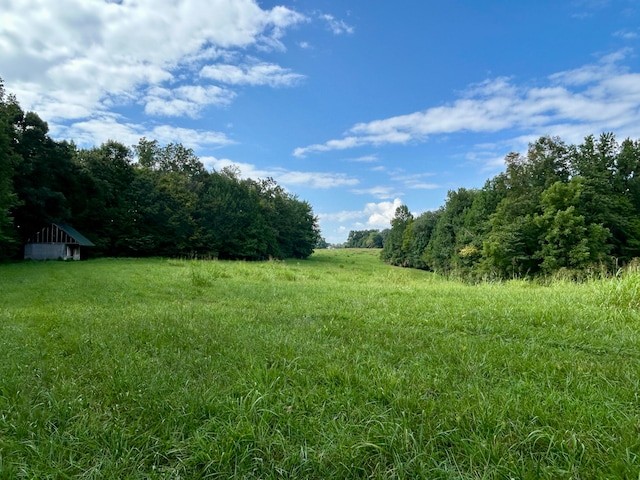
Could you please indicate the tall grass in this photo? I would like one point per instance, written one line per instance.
(334, 367)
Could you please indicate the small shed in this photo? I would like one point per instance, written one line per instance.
(56, 241)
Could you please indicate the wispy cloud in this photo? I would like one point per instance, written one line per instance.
(338, 27)
(597, 97)
(314, 180)
(626, 34)
(258, 74)
(364, 159)
(381, 192)
(99, 129)
(186, 100)
(588, 8)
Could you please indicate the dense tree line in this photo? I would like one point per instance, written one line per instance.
(559, 207)
(365, 239)
(140, 201)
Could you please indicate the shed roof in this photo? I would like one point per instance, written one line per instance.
(61, 233)
(76, 235)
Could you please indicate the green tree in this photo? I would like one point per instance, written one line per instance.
(567, 241)
(511, 242)
(45, 177)
(173, 157)
(609, 191)
(364, 239)
(10, 114)
(450, 233)
(393, 252)
(226, 218)
(166, 193)
(253, 220)
(111, 212)
(322, 243)
(417, 236)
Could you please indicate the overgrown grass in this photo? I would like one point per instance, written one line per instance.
(334, 367)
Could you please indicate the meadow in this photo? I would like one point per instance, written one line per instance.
(337, 366)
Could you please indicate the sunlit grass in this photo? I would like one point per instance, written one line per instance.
(333, 367)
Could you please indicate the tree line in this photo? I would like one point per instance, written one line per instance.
(147, 200)
(365, 239)
(560, 207)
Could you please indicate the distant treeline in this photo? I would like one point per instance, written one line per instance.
(558, 208)
(148, 200)
(366, 239)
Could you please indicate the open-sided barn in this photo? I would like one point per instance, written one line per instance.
(56, 241)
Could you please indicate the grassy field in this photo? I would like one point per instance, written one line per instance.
(334, 367)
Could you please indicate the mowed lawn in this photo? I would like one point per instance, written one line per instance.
(338, 366)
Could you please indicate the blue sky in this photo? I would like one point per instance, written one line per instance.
(355, 106)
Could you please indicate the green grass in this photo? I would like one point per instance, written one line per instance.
(334, 367)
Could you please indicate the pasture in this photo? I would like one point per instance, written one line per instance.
(338, 366)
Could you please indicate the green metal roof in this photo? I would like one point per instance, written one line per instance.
(76, 235)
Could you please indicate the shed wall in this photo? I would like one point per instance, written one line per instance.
(44, 251)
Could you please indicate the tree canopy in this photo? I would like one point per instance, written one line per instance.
(145, 200)
(559, 207)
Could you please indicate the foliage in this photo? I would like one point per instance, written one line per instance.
(397, 241)
(10, 113)
(364, 239)
(148, 200)
(338, 366)
(559, 208)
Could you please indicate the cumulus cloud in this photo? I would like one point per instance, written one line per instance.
(373, 215)
(597, 97)
(247, 170)
(76, 60)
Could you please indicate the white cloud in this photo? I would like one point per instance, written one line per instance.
(588, 8)
(373, 215)
(247, 170)
(424, 186)
(381, 214)
(195, 139)
(74, 59)
(365, 159)
(287, 178)
(338, 27)
(626, 34)
(99, 129)
(587, 74)
(320, 180)
(416, 181)
(186, 100)
(599, 97)
(381, 192)
(341, 144)
(258, 74)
